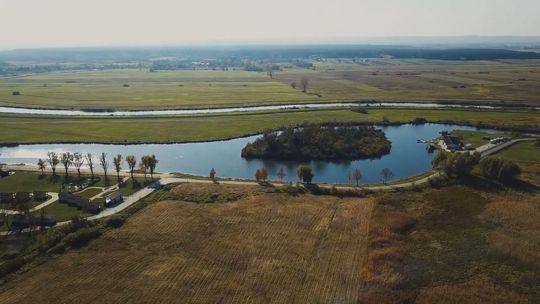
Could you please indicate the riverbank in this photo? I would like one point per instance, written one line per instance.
(183, 129)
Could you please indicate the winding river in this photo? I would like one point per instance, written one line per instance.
(407, 157)
(59, 112)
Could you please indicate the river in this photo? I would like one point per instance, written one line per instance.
(407, 157)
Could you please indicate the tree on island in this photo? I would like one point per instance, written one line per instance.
(143, 166)
(104, 163)
(305, 174)
(281, 174)
(90, 161)
(53, 160)
(356, 175)
(41, 165)
(78, 161)
(386, 174)
(131, 161)
(117, 161)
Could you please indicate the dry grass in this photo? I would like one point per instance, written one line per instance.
(483, 292)
(517, 232)
(268, 248)
(456, 244)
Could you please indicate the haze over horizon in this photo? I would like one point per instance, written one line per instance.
(57, 23)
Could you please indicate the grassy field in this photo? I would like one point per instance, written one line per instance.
(527, 156)
(29, 181)
(32, 129)
(376, 79)
(478, 138)
(448, 245)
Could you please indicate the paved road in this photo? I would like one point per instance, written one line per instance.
(489, 149)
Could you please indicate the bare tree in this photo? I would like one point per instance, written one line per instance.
(152, 163)
(78, 161)
(304, 84)
(131, 161)
(41, 165)
(117, 165)
(104, 163)
(144, 164)
(270, 70)
(90, 162)
(213, 175)
(53, 160)
(356, 175)
(67, 161)
(281, 174)
(386, 174)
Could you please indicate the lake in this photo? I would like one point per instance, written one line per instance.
(407, 157)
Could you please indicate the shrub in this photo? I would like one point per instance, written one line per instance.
(82, 236)
(115, 221)
(305, 174)
(50, 239)
(455, 165)
(499, 169)
(12, 266)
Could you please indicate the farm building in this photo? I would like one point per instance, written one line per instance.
(114, 198)
(21, 221)
(79, 202)
(40, 195)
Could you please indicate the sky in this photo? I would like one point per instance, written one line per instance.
(46, 23)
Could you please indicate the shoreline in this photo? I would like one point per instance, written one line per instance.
(466, 103)
(375, 124)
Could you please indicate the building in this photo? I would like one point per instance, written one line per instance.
(79, 202)
(21, 221)
(22, 197)
(114, 198)
(451, 143)
(40, 196)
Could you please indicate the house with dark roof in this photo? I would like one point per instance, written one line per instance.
(114, 198)
(22, 197)
(79, 202)
(40, 196)
(6, 197)
(451, 143)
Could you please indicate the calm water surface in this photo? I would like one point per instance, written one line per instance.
(407, 157)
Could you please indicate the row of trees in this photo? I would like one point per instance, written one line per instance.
(306, 175)
(147, 163)
(460, 165)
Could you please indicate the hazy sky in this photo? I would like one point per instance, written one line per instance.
(26, 23)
